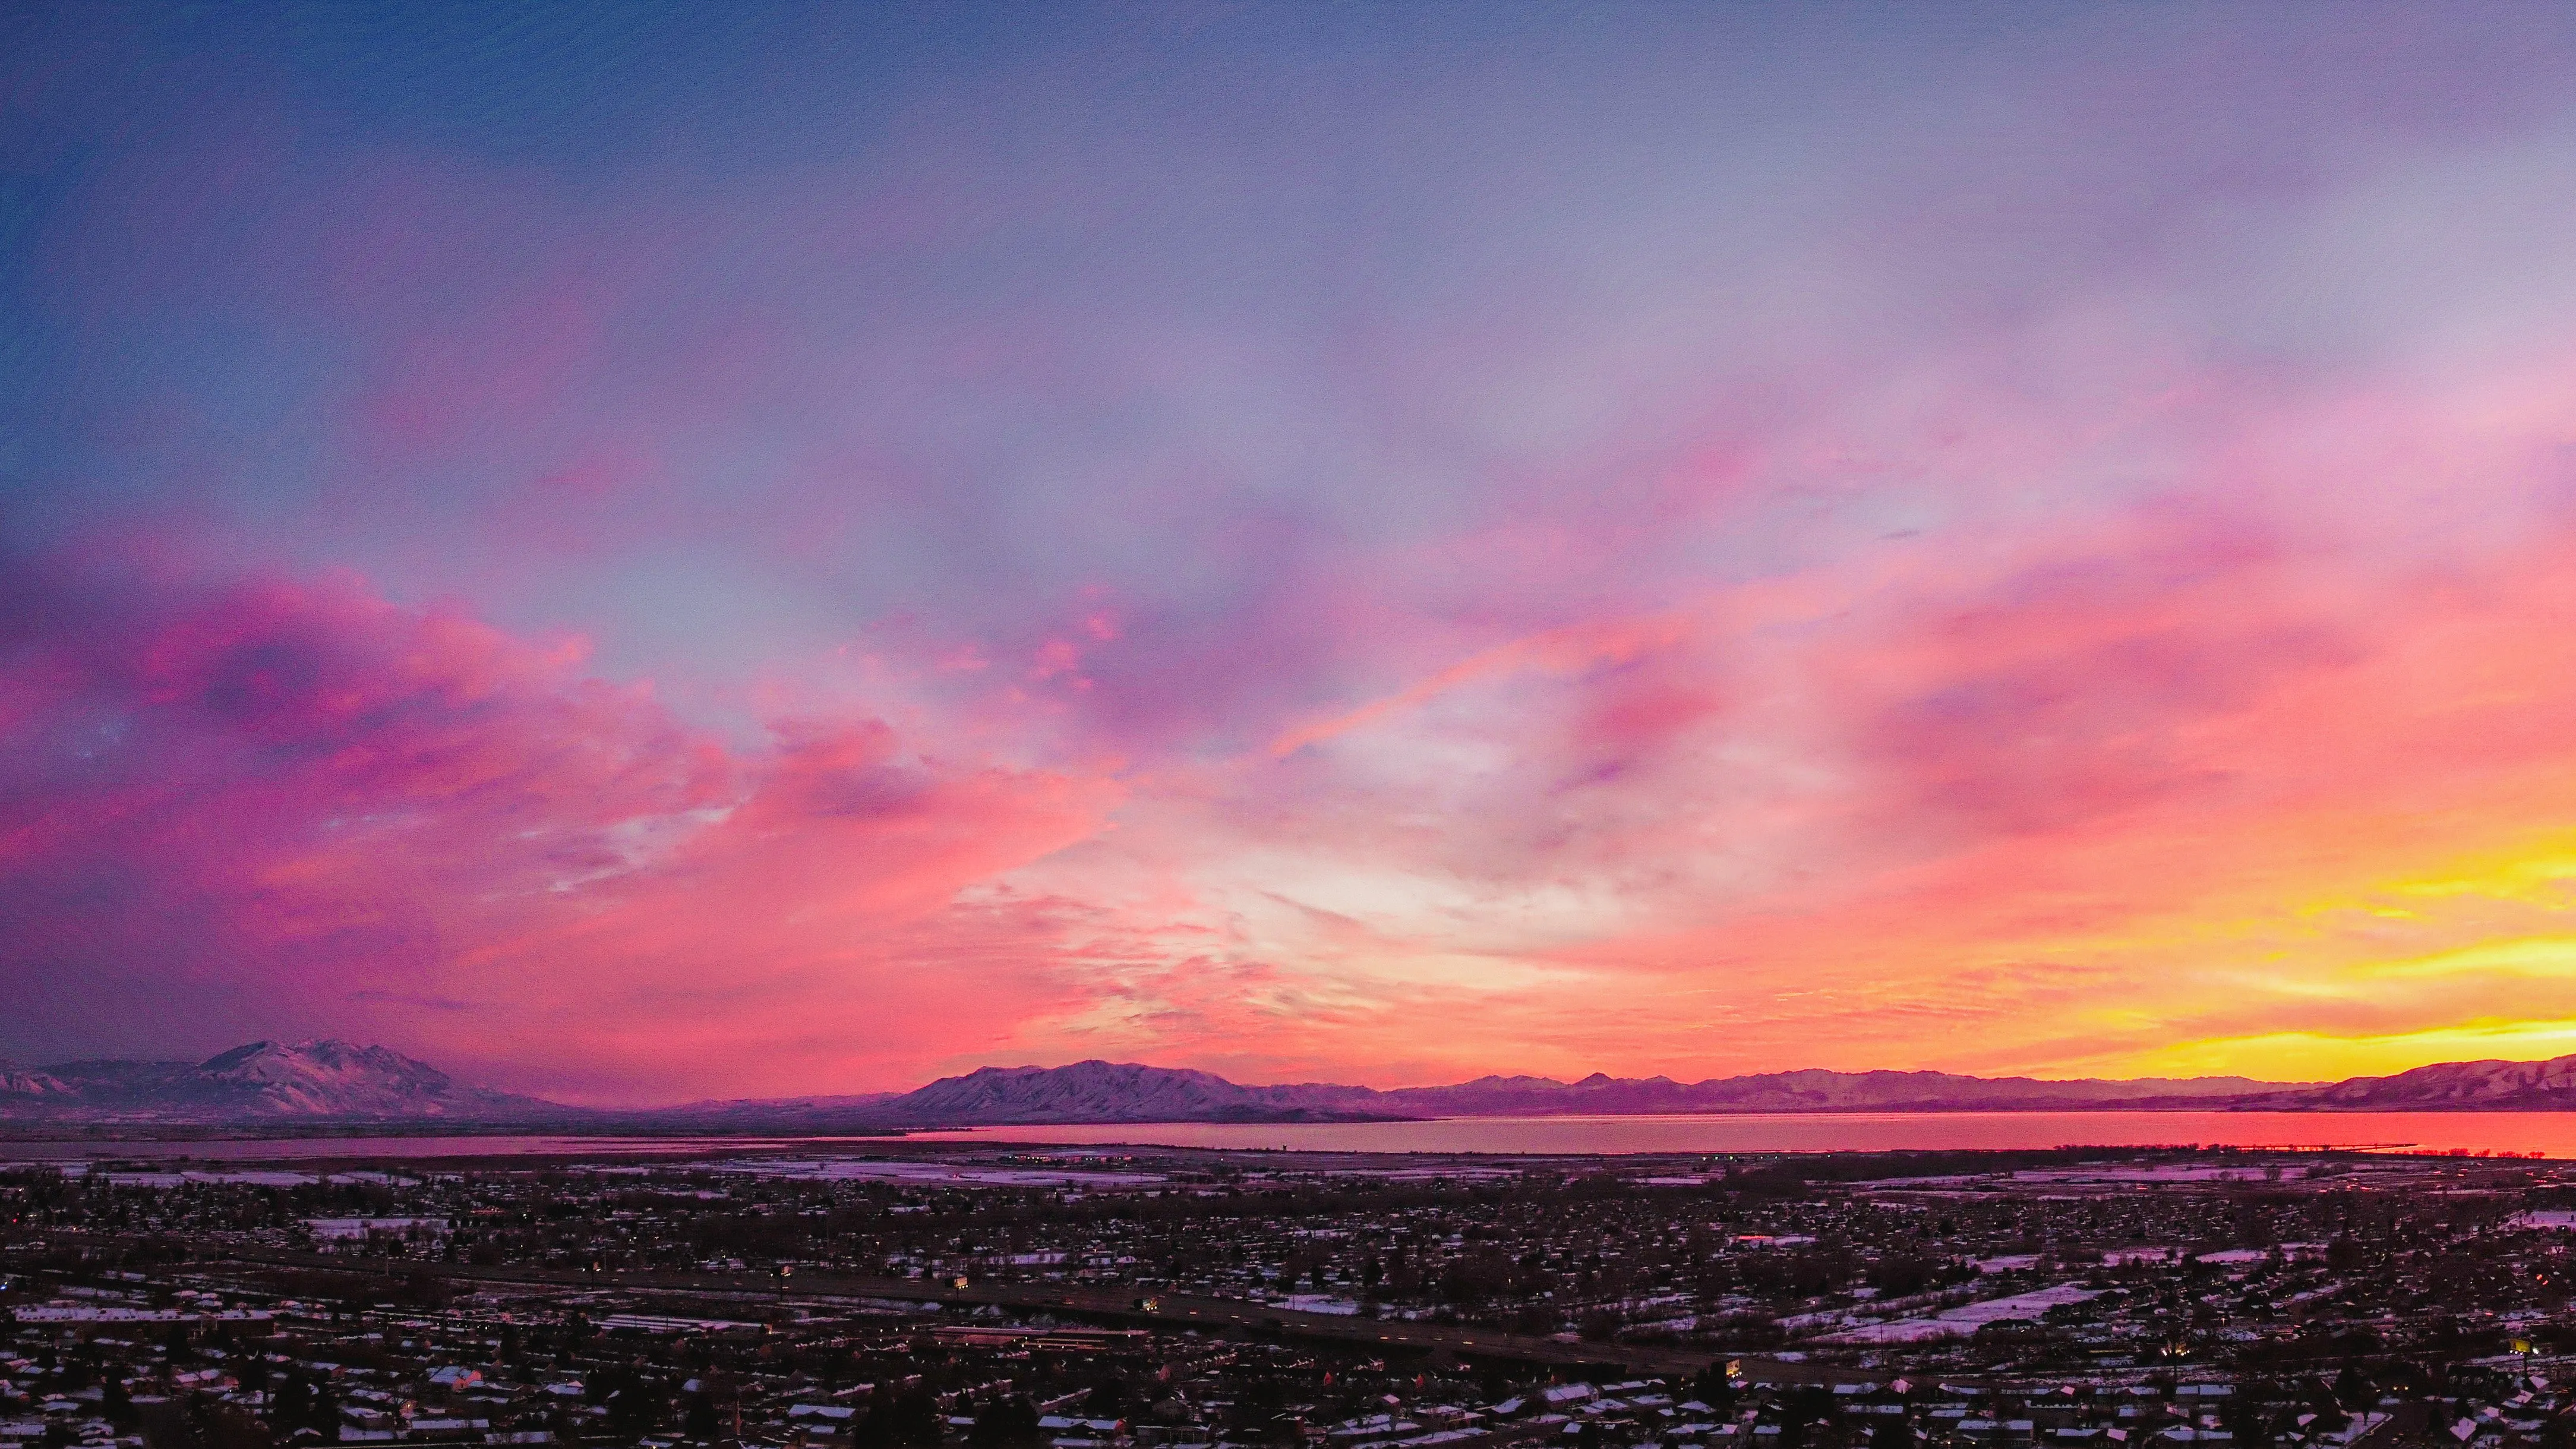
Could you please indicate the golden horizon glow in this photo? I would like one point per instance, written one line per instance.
(1413, 545)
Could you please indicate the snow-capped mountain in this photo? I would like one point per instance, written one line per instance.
(1126, 1092)
(329, 1079)
(1097, 1091)
(2488, 1086)
(281, 1083)
(264, 1080)
(1812, 1090)
(31, 1085)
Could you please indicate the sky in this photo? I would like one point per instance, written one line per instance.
(646, 552)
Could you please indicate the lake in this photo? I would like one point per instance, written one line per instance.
(2549, 1134)
(328, 1148)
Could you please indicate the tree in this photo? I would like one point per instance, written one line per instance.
(1897, 1274)
(634, 1406)
(1010, 1422)
(2243, 1417)
(324, 1418)
(1800, 1411)
(291, 1408)
(634, 1409)
(701, 1422)
(908, 1421)
(1713, 1388)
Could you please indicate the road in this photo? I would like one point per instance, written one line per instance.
(1120, 1305)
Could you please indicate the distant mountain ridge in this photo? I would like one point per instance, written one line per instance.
(1111, 1092)
(261, 1081)
(2487, 1086)
(329, 1081)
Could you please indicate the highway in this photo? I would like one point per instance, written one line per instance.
(1119, 1305)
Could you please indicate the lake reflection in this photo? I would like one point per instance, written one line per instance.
(2549, 1134)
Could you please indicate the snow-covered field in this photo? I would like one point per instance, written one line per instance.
(843, 1169)
(1967, 1318)
(1319, 1303)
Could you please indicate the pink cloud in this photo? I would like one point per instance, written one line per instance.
(1231, 594)
(300, 800)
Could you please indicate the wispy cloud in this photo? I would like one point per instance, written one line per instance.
(1386, 546)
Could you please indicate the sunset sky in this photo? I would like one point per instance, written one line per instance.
(647, 553)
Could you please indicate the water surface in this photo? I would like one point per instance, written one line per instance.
(2548, 1134)
(327, 1148)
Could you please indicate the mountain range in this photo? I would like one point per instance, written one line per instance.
(1124, 1092)
(264, 1081)
(280, 1083)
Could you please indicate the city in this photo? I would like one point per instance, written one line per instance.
(1098, 1299)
